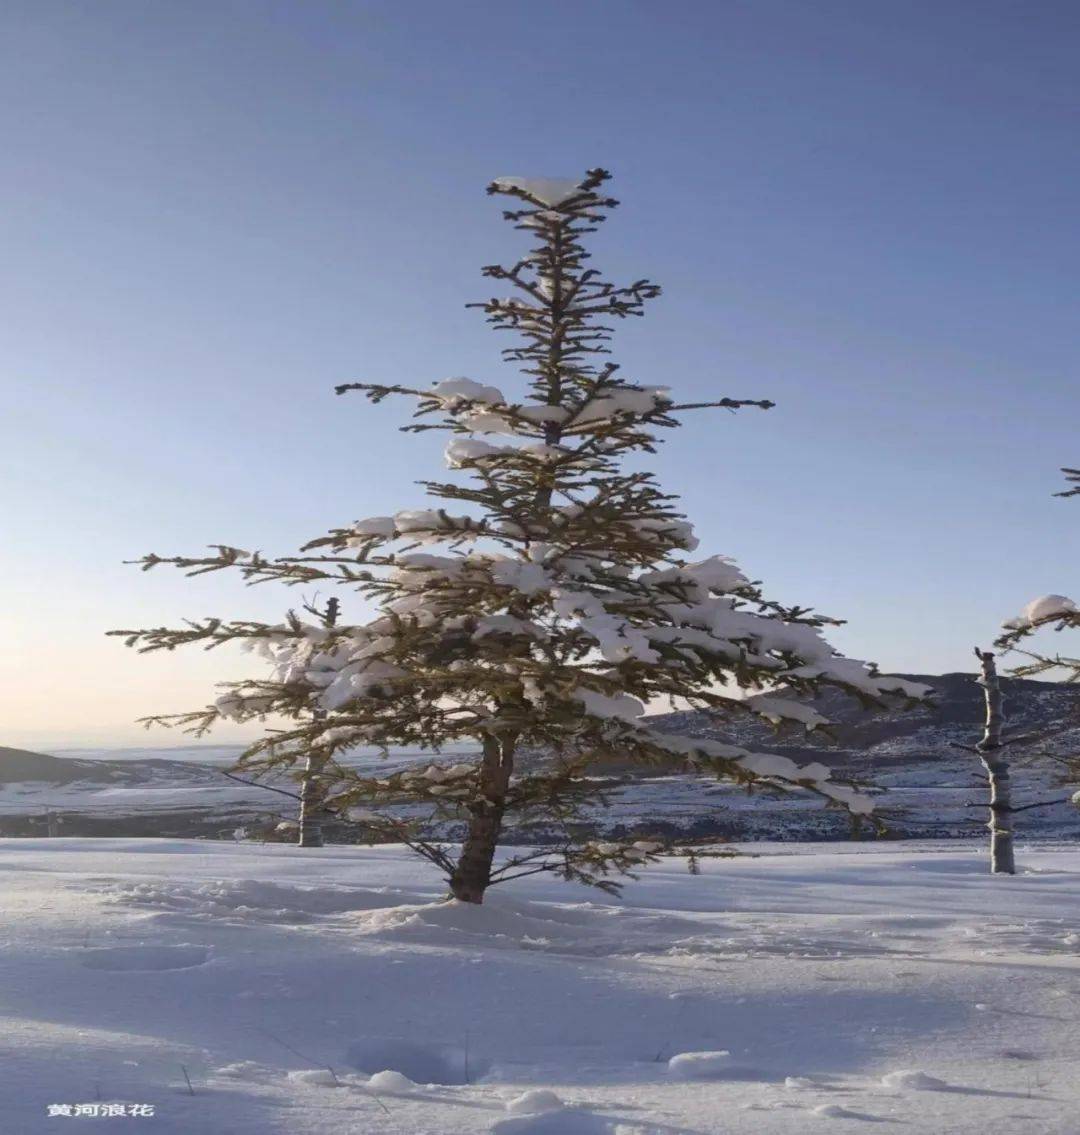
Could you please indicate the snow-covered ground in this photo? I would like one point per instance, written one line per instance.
(800, 988)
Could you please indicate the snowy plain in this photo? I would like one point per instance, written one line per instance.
(789, 990)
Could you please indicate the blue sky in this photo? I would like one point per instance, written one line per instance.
(214, 212)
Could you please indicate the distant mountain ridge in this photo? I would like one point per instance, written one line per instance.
(22, 765)
(929, 784)
(931, 788)
(868, 738)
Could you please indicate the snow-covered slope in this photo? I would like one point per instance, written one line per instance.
(145, 795)
(863, 741)
(851, 986)
(912, 753)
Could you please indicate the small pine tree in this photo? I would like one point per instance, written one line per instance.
(994, 760)
(1058, 611)
(539, 606)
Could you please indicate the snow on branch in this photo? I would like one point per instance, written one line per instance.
(1059, 609)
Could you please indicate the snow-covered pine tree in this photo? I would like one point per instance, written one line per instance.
(539, 605)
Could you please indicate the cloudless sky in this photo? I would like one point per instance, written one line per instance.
(212, 212)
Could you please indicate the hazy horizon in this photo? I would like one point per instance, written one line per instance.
(214, 214)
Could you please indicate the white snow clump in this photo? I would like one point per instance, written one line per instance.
(390, 1081)
(551, 191)
(699, 1065)
(914, 1080)
(534, 1102)
(1041, 610)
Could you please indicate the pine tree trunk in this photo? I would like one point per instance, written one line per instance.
(311, 813)
(1002, 861)
(472, 875)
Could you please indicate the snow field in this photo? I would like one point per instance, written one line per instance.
(333, 991)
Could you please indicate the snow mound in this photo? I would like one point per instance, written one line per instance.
(391, 1081)
(567, 1121)
(914, 1081)
(834, 1111)
(700, 1065)
(128, 959)
(584, 928)
(498, 917)
(414, 1062)
(250, 900)
(534, 1102)
(320, 1077)
(244, 1070)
